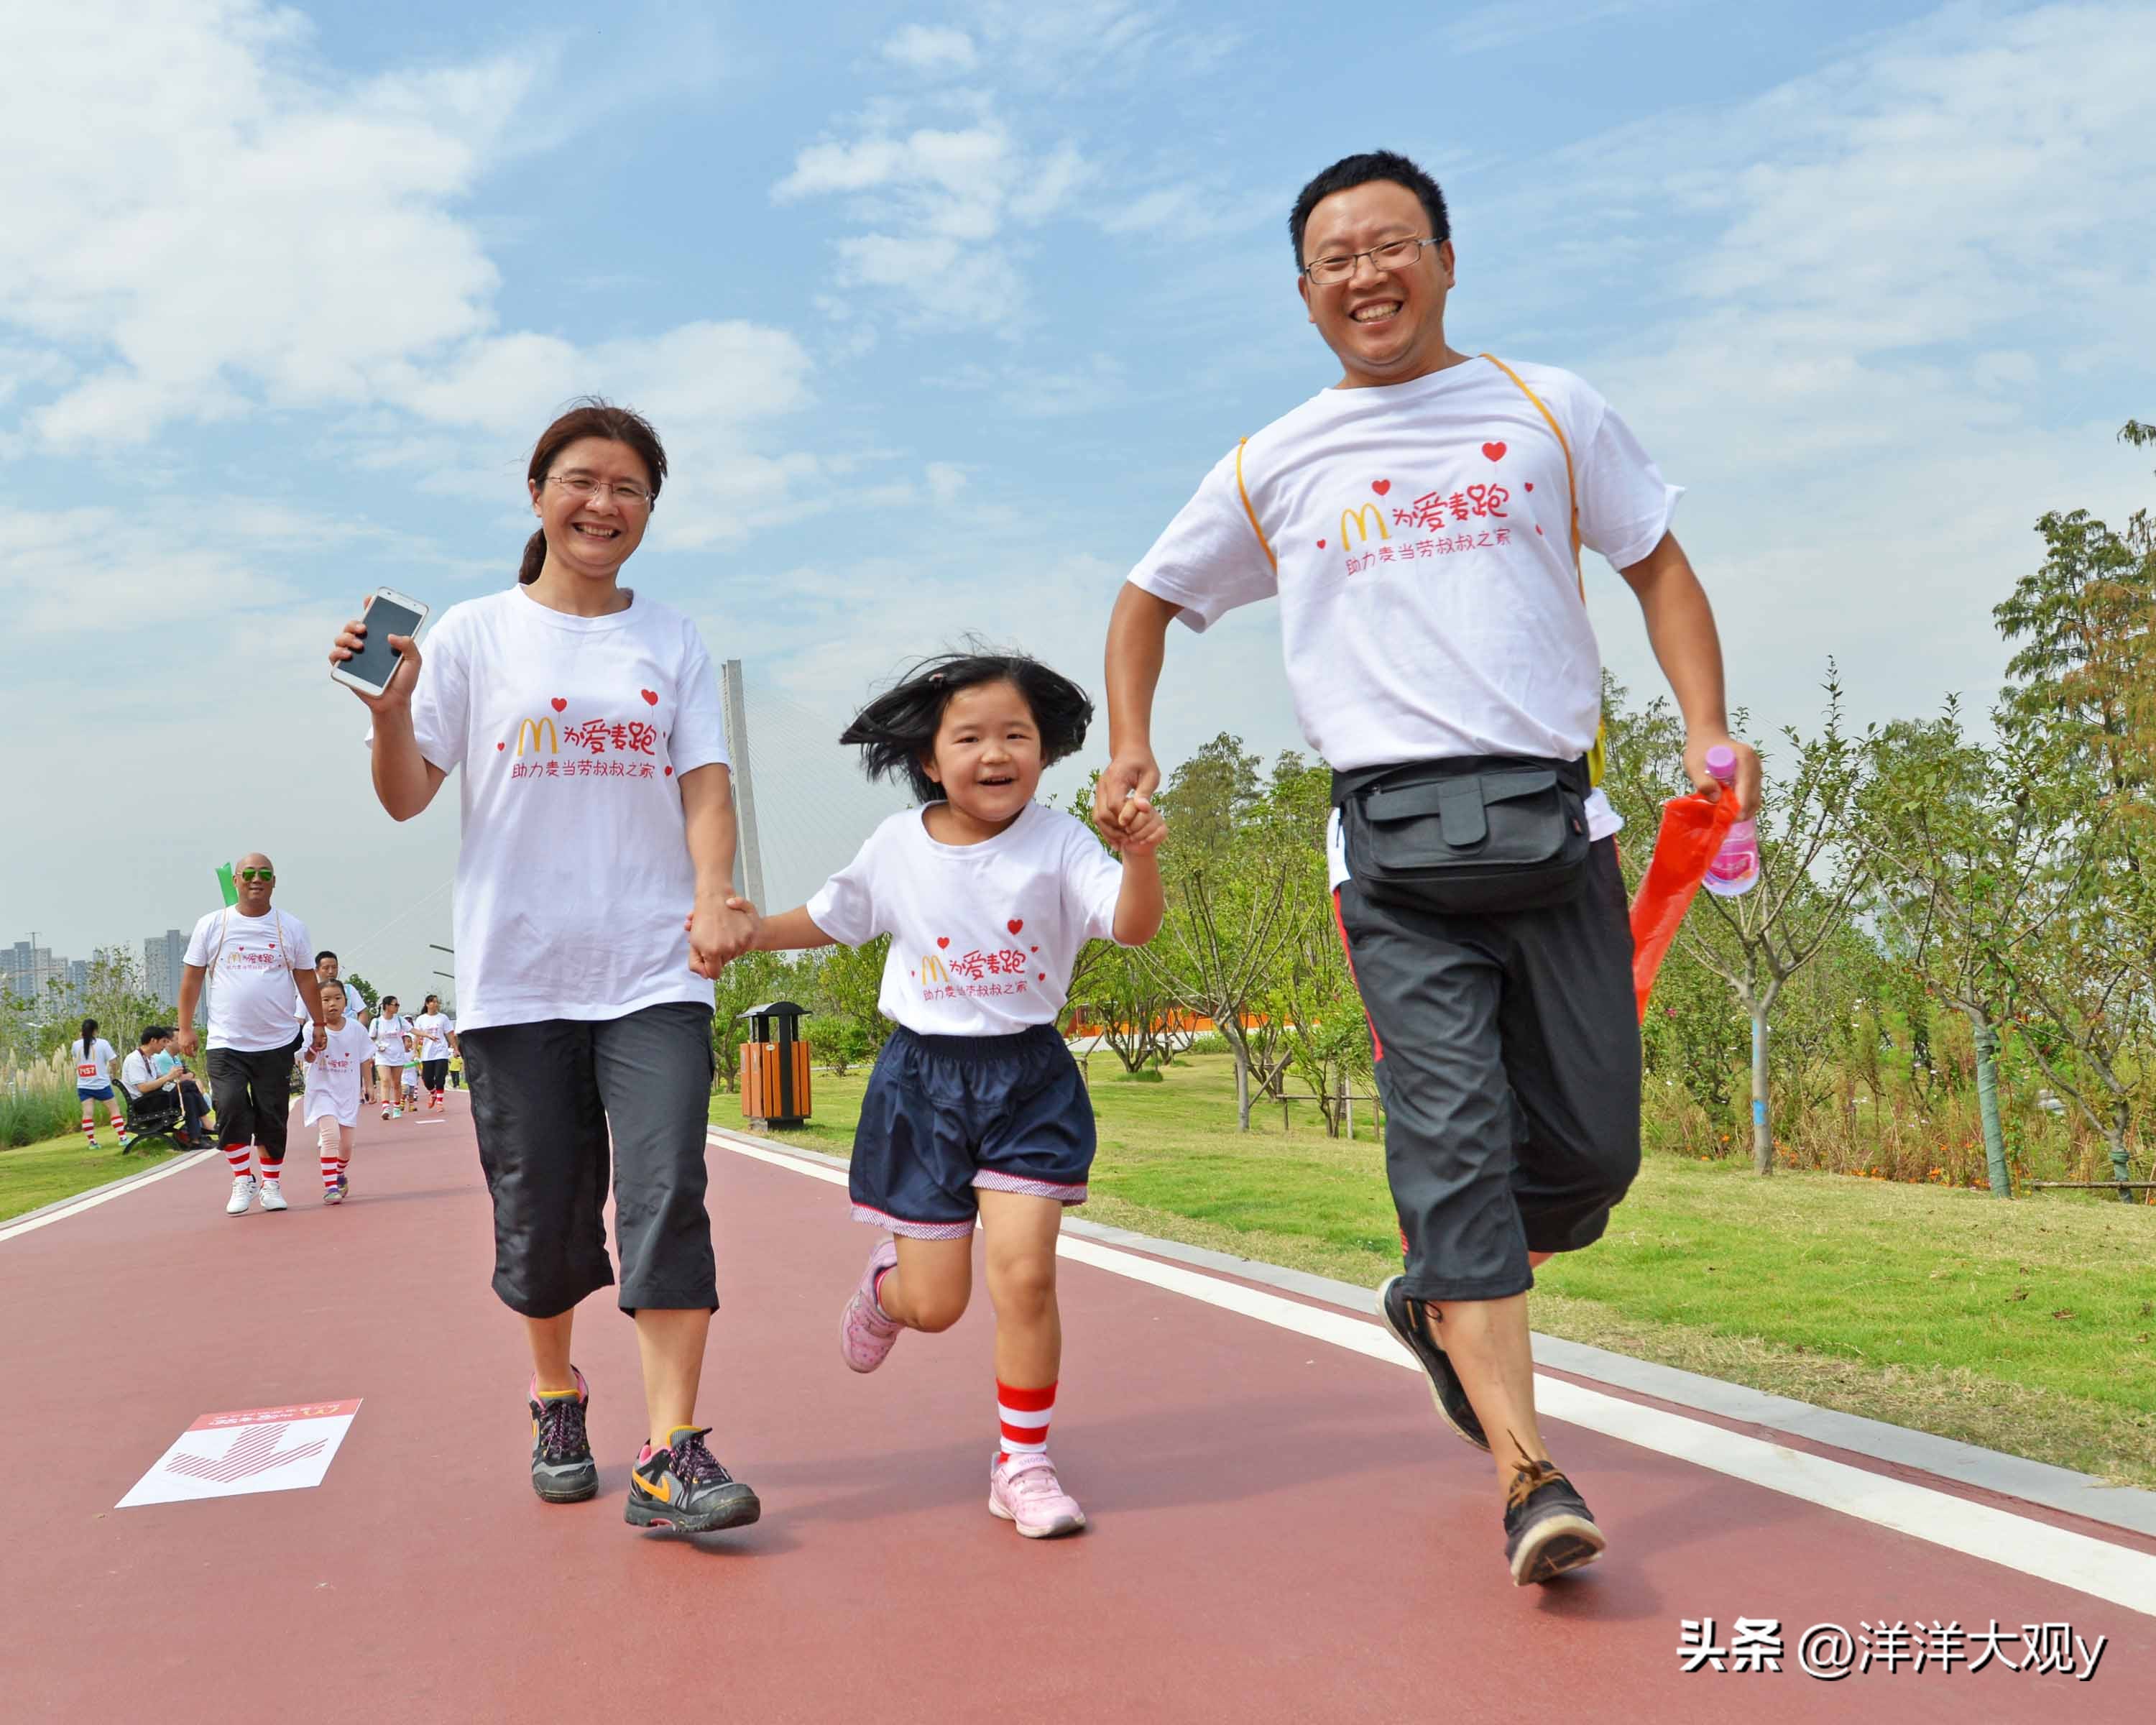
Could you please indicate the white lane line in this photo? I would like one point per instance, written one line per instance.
(96, 1198)
(2124, 1577)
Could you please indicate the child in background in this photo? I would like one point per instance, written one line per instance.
(975, 1107)
(93, 1057)
(332, 1092)
(392, 1053)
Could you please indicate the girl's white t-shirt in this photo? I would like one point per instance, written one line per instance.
(252, 995)
(388, 1036)
(92, 1065)
(982, 936)
(1429, 605)
(573, 876)
(332, 1074)
(433, 1030)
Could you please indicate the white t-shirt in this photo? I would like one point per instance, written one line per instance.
(136, 1073)
(91, 1064)
(982, 936)
(574, 875)
(389, 1035)
(250, 961)
(1429, 606)
(332, 1075)
(433, 1030)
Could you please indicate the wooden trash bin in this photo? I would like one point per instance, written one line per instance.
(774, 1080)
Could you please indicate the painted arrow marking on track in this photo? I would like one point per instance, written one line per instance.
(254, 1451)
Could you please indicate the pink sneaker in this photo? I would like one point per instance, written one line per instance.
(866, 1335)
(1024, 1490)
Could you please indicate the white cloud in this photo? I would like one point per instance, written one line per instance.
(931, 47)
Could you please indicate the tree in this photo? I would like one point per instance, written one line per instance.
(1207, 796)
(844, 986)
(114, 994)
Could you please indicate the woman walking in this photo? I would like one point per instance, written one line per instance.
(596, 809)
(93, 1057)
(435, 1032)
(392, 1053)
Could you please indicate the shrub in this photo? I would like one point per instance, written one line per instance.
(36, 1112)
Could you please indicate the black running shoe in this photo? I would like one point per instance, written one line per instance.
(1548, 1529)
(683, 1486)
(563, 1470)
(1407, 1320)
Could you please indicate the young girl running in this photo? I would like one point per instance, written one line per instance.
(393, 1054)
(332, 1092)
(975, 1107)
(93, 1057)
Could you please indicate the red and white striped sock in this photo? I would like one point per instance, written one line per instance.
(272, 1171)
(329, 1170)
(89, 1121)
(1023, 1415)
(241, 1157)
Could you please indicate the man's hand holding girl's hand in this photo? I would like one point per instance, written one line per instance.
(718, 934)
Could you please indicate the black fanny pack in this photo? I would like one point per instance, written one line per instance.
(1467, 835)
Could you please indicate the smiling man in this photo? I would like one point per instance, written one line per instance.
(1420, 522)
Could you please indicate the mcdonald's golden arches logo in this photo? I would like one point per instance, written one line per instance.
(932, 970)
(531, 729)
(1361, 518)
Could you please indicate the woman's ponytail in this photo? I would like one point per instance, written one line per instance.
(535, 559)
(89, 1038)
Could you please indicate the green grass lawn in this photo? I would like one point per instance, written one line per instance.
(2027, 1327)
(35, 1175)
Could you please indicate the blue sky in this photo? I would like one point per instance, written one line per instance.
(942, 312)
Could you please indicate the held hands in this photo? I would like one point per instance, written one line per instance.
(322, 1040)
(1747, 787)
(397, 693)
(1142, 832)
(718, 934)
(1123, 794)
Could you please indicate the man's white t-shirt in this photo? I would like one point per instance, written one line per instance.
(91, 1064)
(332, 1074)
(388, 1034)
(136, 1073)
(982, 936)
(574, 875)
(250, 961)
(1430, 604)
(433, 1030)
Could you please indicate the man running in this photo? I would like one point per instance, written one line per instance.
(1420, 522)
(256, 960)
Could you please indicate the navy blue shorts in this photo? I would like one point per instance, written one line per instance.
(945, 1115)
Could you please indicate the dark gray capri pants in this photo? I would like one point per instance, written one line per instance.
(544, 1095)
(1509, 1066)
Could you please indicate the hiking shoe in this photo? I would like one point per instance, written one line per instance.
(273, 1195)
(866, 1335)
(563, 1470)
(1410, 1325)
(243, 1194)
(683, 1486)
(1023, 1491)
(1548, 1526)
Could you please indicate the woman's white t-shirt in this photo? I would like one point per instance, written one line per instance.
(250, 961)
(389, 1035)
(574, 875)
(982, 936)
(433, 1030)
(92, 1065)
(1429, 605)
(332, 1074)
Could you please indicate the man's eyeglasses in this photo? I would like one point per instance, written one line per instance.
(583, 487)
(1393, 254)
(263, 875)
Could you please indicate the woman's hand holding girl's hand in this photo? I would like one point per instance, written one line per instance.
(1143, 831)
(398, 693)
(719, 933)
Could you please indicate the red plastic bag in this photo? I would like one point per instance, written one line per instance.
(1692, 831)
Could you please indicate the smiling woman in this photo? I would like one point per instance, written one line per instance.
(596, 810)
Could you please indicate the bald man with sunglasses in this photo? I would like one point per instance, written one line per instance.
(259, 963)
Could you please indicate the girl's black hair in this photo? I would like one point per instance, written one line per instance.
(88, 1036)
(896, 732)
(388, 1001)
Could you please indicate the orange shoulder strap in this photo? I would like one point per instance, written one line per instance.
(1243, 491)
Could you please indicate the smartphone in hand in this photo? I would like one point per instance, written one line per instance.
(388, 613)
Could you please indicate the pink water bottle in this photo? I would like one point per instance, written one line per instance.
(1735, 869)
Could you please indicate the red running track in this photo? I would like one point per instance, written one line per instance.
(1281, 1530)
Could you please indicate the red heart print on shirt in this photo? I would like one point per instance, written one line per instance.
(1530, 485)
(1496, 452)
(501, 745)
(650, 696)
(1042, 977)
(1381, 486)
(942, 940)
(559, 704)
(1032, 949)
(1321, 544)
(1015, 924)
(669, 772)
